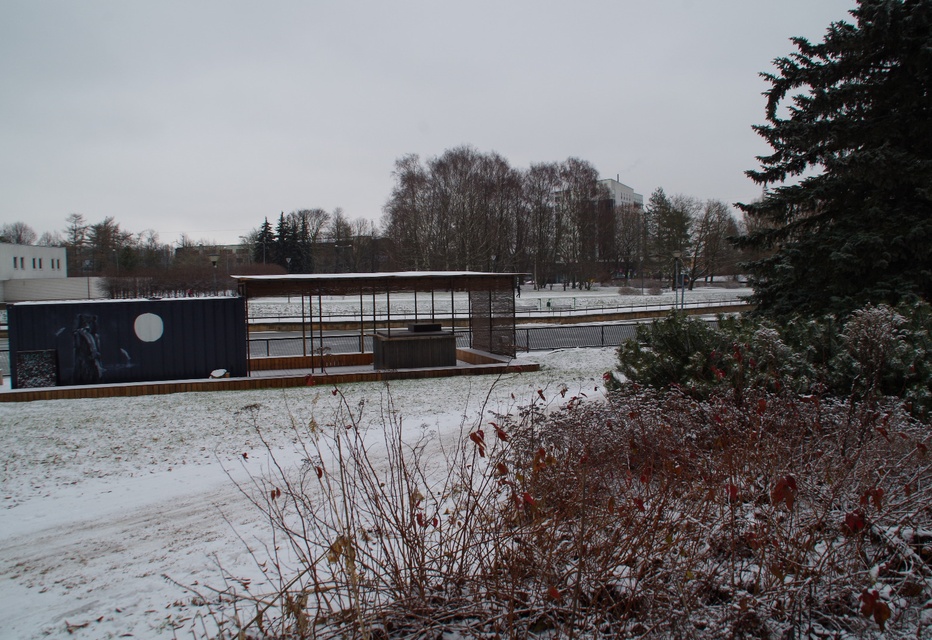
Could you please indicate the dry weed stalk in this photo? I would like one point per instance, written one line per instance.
(650, 515)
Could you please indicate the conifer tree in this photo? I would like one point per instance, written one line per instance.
(265, 244)
(847, 207)
(286, 239)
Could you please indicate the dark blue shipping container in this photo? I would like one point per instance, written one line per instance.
(115, 341)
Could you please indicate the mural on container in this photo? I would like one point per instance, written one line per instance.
(87, 366)
(133, 340)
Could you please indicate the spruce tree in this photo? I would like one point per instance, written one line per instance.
(265, 244)
(847, 206)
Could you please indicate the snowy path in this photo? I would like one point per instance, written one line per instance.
(102, 497)
(80, 555)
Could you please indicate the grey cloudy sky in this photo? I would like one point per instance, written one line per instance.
(204, 117)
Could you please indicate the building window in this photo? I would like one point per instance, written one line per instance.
(33, 263)
(15, 263)
(40, 263)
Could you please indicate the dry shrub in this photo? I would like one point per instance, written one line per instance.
(763, 521)
(651, 515)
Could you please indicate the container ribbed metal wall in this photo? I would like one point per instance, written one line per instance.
(133, 340)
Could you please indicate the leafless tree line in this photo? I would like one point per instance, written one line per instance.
(467, 210)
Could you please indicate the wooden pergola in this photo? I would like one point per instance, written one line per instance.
(491, 316)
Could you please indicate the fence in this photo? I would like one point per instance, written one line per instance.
(524, 311)
(345, 343)
(526, 339)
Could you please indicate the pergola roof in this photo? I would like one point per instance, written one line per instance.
(355, 283)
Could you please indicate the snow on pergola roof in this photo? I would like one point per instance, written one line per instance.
(354, 283)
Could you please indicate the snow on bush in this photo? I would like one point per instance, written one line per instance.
(654, 514)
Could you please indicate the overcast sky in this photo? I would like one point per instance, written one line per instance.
(203, 118)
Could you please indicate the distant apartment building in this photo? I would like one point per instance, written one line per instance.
(607, 254)
(621, 194)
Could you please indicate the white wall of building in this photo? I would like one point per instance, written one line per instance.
(29, 272)
(27, 262)
(41, 289)
(622, 194)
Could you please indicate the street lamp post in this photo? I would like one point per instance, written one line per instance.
(676, 279)
(214, 258)
(288, 262)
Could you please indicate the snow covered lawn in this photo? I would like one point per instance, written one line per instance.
(108, 503)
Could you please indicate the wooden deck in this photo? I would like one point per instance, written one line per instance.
(280, 373)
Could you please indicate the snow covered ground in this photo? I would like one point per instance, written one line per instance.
(107, 504)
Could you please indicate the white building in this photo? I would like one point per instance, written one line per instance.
(29, 272)
(622, 194)
(25, 262)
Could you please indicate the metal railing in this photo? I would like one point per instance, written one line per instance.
(570, 336)
(559, 307)
(292, 346)
(526, 339)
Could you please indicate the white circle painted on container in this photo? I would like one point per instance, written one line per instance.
(148, 327)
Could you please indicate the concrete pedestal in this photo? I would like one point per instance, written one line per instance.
(414, 349)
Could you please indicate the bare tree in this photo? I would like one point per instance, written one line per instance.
(76, 231)
(339, 228)
(712, 225)
(669, 221)
(312, 223)
(151, 254)
(406, 213)
(50, 239)
(629, 233)
(577, 199)
(76, 243)
(458, 212)
(17, 233)
(540, 184)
